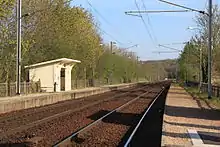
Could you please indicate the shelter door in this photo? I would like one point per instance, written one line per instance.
(62, 79)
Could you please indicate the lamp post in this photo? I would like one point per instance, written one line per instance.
(18, 48)
(137, 73)
(200, 60)
(137, 59)
(93, 68)
(111, 48)
(210, 52)
(18, 61)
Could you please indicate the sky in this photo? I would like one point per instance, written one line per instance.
(126, 31)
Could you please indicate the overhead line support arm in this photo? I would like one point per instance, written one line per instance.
(184, 7)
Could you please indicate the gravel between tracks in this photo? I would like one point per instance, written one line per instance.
(49, 133)
(24, 117)
(112, 129)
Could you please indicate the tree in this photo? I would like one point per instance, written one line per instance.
(54, 29)
(199, 41)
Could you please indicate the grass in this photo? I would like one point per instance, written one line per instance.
(203, 96)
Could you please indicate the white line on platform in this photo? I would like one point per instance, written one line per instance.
(197, 141)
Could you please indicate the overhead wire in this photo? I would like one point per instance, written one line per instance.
(103, 31)
(106, 21)
(149, 21)
(146, 27)
(206, 3)
(108, 34)
(184, 7)
(90, 4)
(165, 52)
(171, 48)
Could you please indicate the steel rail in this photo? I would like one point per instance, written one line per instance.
(142, 118)
(68, 139)
(46, 119)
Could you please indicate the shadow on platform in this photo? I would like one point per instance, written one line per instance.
(210, 138)
(193, 125)
(192, 112)
(207, 137)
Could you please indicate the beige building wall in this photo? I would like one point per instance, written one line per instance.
(57, 69)
(44, 73)
(68, 77)
(50, 72)
(57, 78)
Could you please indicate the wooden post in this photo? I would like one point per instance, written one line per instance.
(28, 87)
(54, 88)
(39, 85)
(85, 76)
(6, 89)
(213, 91)
(25, 87)
(12, 87)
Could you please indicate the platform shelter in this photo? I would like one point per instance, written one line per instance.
(54, 75)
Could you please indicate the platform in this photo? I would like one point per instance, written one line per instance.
(189, 121)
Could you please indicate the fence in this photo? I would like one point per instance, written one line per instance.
(76, 84)
(204, 88)
(35, 87)
(26, 88)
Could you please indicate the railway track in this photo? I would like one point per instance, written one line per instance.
(49, 130)
(137, 134)
(9, 122)
(30, 130)
(113, 128)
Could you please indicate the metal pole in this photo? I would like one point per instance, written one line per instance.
(176, 70)
(200, 68)
(18, 64)
(158, 71)
(85, 82)
(187, 66)
(137, 74)
(210, 52)
(111, 46)
(93, 76)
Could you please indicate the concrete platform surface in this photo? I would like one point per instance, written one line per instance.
(20, 97)
(185, 115)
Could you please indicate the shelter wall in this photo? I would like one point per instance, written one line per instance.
(45, 74)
